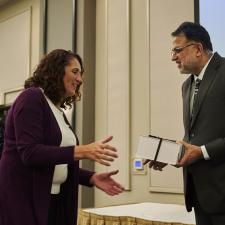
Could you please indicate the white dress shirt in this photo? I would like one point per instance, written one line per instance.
(200, 76)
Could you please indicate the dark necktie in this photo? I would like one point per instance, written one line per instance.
(196, 88)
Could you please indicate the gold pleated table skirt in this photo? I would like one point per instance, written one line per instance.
(137, 214)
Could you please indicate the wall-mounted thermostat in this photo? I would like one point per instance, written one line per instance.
(138, 166)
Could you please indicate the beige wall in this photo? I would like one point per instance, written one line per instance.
(154, 97)
(59, 24)
(21, 62)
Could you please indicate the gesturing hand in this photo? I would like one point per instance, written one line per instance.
(192, 154)
(99, 151)
(106, 183)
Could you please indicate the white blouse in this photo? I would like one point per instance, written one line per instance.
(68, 139)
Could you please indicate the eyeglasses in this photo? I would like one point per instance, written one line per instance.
(177, 50)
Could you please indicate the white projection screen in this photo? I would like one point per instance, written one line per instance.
(212, 17)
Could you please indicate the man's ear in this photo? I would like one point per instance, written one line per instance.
(200, 49)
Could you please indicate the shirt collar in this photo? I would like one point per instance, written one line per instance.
(201, 74)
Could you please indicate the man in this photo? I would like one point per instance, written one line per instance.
(203, 95)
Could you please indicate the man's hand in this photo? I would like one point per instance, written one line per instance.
(155, 165)
(106, 183)
(191, 155)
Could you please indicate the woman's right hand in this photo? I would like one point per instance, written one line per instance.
(99, 151)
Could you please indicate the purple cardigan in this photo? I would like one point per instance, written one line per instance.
(31, 150)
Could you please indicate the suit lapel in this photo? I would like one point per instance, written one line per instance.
(209, 77)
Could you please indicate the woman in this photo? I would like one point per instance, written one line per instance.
(39, 169)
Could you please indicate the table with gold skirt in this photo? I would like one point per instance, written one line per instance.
(137, 214)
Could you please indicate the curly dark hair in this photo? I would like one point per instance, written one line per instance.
(49, 76)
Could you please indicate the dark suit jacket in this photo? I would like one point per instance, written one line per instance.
(207, 127)
(31, 150)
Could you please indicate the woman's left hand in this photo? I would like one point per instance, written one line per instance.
(106, 183)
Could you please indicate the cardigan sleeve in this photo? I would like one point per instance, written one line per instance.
(85, 176)
(29, 116)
